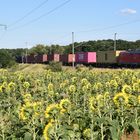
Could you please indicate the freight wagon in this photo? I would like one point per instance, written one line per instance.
(29, 59)
(67, 58)
(130, 58)
(108, 58)
(101, 58)
(85, 57)
(54, 57)
(41, 58)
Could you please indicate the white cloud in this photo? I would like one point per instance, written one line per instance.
(128, 11)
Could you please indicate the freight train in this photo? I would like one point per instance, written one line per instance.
(100, 58)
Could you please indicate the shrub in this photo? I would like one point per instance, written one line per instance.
(55, 66)
(6, 60)
(80, 67)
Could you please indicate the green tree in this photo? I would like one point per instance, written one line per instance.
(38, 49)
(6, 60)
(56, 49)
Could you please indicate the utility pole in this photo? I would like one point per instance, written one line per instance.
(73, 49)
(115, 41)
(22, 58)
(26, 52)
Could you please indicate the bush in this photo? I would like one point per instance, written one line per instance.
(80, 67)
(55, 66)
(6, 60)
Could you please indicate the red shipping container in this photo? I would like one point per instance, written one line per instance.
(29, 59)
(67, 58)
(136, 58)
(41, 58)
(85, 57)
(129, 58)
(53, 57)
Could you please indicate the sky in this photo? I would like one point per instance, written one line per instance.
(31, 22)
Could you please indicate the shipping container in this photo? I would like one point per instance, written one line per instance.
(108, 57)
(19, 59)
(53, 57)
(67, 58)
(132, 57)
(29, 59)
(41, 58)
(85, 57)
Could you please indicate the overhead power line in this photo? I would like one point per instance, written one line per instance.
(43, 15)
(29, 13)
(110, 27)
(5, 26)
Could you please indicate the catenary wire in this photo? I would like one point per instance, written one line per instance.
(43, 15)
(29, 13)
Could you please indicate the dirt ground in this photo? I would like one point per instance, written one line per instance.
(133, 136)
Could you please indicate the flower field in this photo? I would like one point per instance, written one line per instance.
(81, 105)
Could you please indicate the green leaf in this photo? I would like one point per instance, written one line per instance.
(28, 136)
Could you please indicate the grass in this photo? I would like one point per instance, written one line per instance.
(29, 67)
(42, 67)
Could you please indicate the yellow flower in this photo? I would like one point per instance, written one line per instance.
(20, 77)
(126, 89)
(98, 87)
(4, 84)
(134, 79)
(52, 110)
(92, 103)
(113, 84)
(12, 86)
(28, 103)
(3, 71)
(120, 99)
(136, 87)
(99, 97)
(87, 133)
(26, 85)
(86, 87)
(65, 105)
(118, 79)
(75, 127)
(100, 100)
(29, 110)
(73, 79)
(22, 114)
(27, 96)
(27, 99)
(36, 105)
(47, 130)
(62, 85)
(50, 87)
(84, 81)
(107, 85)
(72, 88)
(66, 81)
(106, 96)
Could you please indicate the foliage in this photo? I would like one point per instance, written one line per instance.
(39, 49)
(6, 59)
(99, 45)
(55, 66)
(81, 105)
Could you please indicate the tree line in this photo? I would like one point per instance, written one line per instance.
(8, 56)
